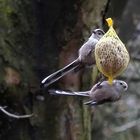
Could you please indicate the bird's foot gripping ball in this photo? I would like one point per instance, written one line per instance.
(111, 56)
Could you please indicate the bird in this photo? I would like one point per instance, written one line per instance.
(100, 93)
(111, 55)
(85, 58)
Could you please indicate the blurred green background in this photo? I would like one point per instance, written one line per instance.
(37, 37)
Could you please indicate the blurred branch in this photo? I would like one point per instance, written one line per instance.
(126, 126)
(13, 115)
(104, 12)
(135, 57)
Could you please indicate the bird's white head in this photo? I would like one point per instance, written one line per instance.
(97, 33)
(120, 85)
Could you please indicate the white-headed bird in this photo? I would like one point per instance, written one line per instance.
(85, 58)
(100, 93)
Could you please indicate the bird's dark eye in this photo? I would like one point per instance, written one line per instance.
(100, 33)
(121, 83)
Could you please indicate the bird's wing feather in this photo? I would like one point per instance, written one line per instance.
(102, 95)
(100, 98)
(96, 86)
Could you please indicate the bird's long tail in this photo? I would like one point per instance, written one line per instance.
(69, 93)
(60, 73)
(91, 103)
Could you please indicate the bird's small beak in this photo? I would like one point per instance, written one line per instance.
(125, 87)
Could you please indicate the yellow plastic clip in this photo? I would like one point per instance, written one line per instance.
(109, 22)
(110, 80)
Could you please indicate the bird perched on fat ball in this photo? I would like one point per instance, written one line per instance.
(85, 58)
(111, 55)
(100, 93)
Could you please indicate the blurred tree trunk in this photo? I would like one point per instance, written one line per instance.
(37, 38)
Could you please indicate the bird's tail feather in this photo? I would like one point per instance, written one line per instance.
(70, 93)
(91, 103)
(60, 73)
